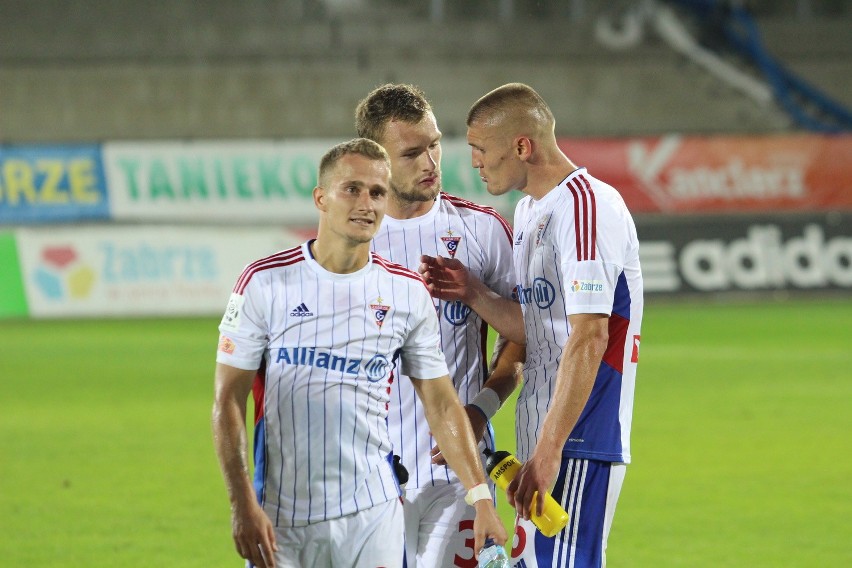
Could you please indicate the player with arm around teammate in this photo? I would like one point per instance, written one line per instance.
(316, 332)
(576, 258)
(423, 219)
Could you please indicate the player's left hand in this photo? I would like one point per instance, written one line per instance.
(487, 524)
(477, 423)
(535, 478)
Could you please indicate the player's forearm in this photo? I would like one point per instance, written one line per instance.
(455, 438)
(230, 439)
(503, 377)
(451, 428)
(502, 314)
(230, 442)
(576, 376)
(505, 373)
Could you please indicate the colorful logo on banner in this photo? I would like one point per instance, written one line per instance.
(62, 275)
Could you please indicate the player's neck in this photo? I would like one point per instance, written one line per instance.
(543, 179)
(404, 209)
(340, 257)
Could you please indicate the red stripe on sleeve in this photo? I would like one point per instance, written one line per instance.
(614, 354)
(593, 244)
(576, 197)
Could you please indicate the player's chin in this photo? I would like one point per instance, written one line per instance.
(425, 191)
(433, 191)
(363, 232)
(496, 189)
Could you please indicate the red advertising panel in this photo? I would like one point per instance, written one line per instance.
(678, 174)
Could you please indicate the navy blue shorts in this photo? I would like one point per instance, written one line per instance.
(588, 490)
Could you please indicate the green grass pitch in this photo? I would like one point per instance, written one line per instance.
(741, 441)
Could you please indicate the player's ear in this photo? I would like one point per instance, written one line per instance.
(319, 198)
(523, 148)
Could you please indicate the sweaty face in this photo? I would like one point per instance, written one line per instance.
(492, 155)
(415, 154)
(353, 197)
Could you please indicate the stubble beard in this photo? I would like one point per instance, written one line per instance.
(406, 195)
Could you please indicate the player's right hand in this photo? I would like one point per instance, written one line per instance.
(254, 536)
(535, 479)
(487, 524)
(446, 278)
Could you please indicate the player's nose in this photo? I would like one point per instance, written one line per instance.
(365, 202)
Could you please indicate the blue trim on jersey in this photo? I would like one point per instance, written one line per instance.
(259, 458)
(603, 429)
(621, 299)
(389, 459)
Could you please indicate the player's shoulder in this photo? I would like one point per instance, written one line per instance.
(278, 261)
(581, 182)
(467, 207)
(395, 270)
(608, 200)
(523, 208)
(464, 208)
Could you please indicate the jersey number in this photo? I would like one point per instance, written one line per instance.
(470, 561)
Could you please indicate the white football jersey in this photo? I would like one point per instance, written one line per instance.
(482, 240)
(328, 346)
(576, 251)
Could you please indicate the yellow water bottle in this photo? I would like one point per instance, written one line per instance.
(502, 468)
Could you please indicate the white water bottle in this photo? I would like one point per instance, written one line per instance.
(493, 555)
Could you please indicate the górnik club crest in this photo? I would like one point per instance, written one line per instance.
(451, 242)
(379, 311)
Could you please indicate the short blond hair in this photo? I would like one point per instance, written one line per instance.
(360, 146)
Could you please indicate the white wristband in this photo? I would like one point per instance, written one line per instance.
(488, 401)
(477, 493)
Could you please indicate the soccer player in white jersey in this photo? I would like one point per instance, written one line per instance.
(422, 219)
(579, 284)
(319, 333)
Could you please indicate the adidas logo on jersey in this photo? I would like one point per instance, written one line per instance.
(301, 311)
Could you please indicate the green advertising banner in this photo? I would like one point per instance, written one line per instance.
(13, 300)
(247, 182)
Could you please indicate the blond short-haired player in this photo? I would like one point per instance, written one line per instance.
(318, 333)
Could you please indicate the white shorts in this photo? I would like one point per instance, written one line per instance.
(371, 538)
(589, 491)
(438, 527)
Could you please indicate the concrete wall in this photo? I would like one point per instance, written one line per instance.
(241, 69)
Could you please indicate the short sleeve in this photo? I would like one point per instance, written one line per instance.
(589, 284)
(243, 329)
